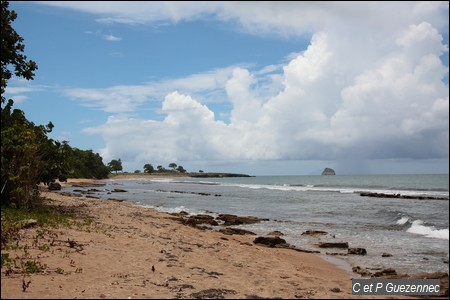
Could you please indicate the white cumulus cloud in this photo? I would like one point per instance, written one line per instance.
(370, 85)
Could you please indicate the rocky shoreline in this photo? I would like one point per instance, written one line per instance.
(228, 225)
(273, 240)
(129, 251)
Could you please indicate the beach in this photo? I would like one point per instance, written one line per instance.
(134, 252)
(130, 251)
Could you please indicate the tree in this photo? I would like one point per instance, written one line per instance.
(148, 168)
(21, 154)
(173, 166)
(28, 155)
(181, 169)
(12, 49)
(85, 164)
(115, 165)
(160, 168)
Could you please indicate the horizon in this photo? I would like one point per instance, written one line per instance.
(231, 87)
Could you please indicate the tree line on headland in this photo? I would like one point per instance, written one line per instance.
(116, 165)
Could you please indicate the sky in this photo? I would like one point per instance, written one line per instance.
(262, 88)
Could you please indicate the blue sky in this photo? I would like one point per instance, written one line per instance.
(260, 88)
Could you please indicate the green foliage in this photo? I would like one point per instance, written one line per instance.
(15, 219)
(181, 169)
(21, 148)
(5, 259)
(148, 168)
(28, 155)
(12, 48)
(115, 165)
(85, 164)
(20, 158)
(173, 165)
(32, 266)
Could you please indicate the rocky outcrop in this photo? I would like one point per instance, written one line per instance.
(328, 171)
(314, 232)
(343, 245)
(357, 251)
(200, 219)
(276, 233)
(192, 193)
(237, 220)
(231, 231)
(272, 241)
(383, 195)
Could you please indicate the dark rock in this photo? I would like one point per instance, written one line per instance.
(328, 171)
(314, 232)
(192, 193)
(385, 272)
(200, 219)
(116, 200)
(276, 233)
(357, 251)
(237, 220)
(213, 294)
(335, 290)
(303, 250)
(119, 191)
(54, 186)
(203, 227)
(186, 286)
(270, 241)
(383, 195)
(334, 245)
(361, 271)
(386, 254)
(336, 253)
(230, 231)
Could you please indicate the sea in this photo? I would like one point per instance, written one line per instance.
(408, 235)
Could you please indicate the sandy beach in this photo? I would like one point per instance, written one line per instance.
(134, 252)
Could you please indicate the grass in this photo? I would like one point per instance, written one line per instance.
(46, 215)
(44, 218)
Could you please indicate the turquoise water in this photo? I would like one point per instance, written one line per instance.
(414, 231)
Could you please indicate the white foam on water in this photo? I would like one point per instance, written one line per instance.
(417, 227)
(402, 221)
